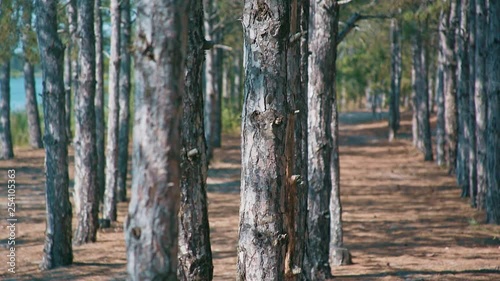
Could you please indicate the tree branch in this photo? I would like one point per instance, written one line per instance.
(351, 23)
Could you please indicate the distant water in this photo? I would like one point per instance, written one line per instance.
(18, 95)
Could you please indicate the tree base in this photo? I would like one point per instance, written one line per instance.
(104, 223)
(340, 256)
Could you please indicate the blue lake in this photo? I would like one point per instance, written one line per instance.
(18, 95)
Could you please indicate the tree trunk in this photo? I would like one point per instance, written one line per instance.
(217, 110)
(440, 126)
(296, 198)
(480, 98)
(321, 91)
(262, 233)
(450, 97)
(423, 104)
(6, 148)
(99, 101)
(493, 129)
(396, 69)
(27, 38)
(73, 70)
(471, 119)
(464, 133)
(210, 79)
(124, 101)
(110, 197)
(414, 96)
(151, 228)
(195, 254)
(57, 250)
(86, 188)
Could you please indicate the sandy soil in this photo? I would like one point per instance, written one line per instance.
(403, 218)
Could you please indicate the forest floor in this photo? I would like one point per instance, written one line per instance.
(403, 217)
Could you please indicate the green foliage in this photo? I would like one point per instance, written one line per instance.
(9, 30)
(231, 120)
(19, 127)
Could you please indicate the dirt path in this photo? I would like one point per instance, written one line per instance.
(403, 218)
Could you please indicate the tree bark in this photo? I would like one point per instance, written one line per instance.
(30, 55)
(450, 100)
(414, 96)
(124, 101)
(210, 79)
(464, 132)
(99, 101)
(6, 147)
(471, 119)
(423, 104)
(493, 127)
(262, 233)
(480, 101)
(57, 249)
(86, 188)
(110, 192)
(296, 198)
(323, 30)
(217, 110)
(195, 254)
(151, 228)
(440, 126)
(71, 10)
(396, 69)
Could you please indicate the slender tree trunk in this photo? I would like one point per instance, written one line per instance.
(110, 196)
(86, 188)
(440, 126)
(195, 254)
(35, 135)
(450, 97)
(210, 79)
(493, 127)
(237, 81)
(151, 228)
(396, 69)
(262, 234)
(480, 101)
(73, 70)
(217, 110)
(57, 250)
(471, 119)
(414, 96)
(99, 101)
(124, 101)
(462, 166)
(6, 147)
(321, 91)
(296, 199)
(423, 104)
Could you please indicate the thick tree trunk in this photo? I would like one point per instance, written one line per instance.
(493, 129)
(471, 119)
(86, 188)
(480, 98)
(99, 101)
(440, 126)
(464, 133)
(396, 69)
(450, 97)
(110, 197)
(262, 233)
(296, 198)
(124, 101)
(35, 134)
(73, 70)
(321, 91)
(151, 228)
(195, 254)
(210, 79)
(6, 147)
(57, 250)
